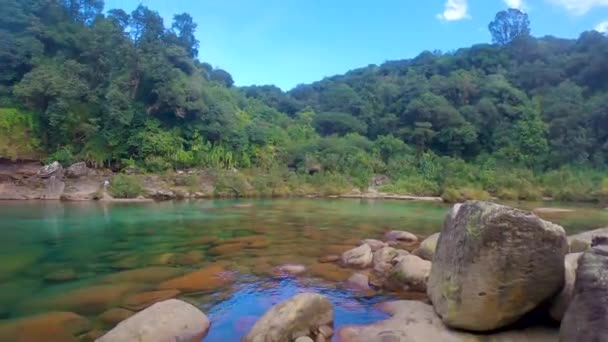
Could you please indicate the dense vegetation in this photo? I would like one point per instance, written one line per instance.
(521, 118)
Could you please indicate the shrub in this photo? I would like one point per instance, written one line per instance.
(454, 195)
(414, 185)
(157, 164)
(125, 186)
(232, 184)
(507, 194)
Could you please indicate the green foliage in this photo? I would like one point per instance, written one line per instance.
(126, 186)
(18, 135)
(414, 185)
(455, 195)
(522, 118)
(232, 184)
(509, 25)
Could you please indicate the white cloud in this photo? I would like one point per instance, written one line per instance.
(602, 27)
(519, 4)
(579, 7)
(454, 10)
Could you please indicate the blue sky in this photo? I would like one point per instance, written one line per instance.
(287, 42)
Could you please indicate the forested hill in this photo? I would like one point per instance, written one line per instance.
(115, 89)
(537, 102)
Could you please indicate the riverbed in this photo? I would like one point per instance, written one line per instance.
(92, 257)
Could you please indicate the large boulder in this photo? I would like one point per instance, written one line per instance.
(586, 318)
(306, 314)
(77, 170)
(493, 264)
(52, 169)
(582, 242)
(171, 320)
(417, 321)
(360, 257)
(410, 273)
(560, 303)
(427, 247)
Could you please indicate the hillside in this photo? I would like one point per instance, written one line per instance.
(520, 118)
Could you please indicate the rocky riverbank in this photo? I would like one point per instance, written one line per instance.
(32, 181)
(494, 273)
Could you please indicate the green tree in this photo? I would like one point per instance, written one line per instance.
(509, 25)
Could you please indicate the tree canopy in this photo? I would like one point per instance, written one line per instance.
(115, 88)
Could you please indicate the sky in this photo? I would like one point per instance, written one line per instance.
(288, 42)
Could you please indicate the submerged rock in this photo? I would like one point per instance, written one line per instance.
(171, 320)
(12, 262)
(329, 272)
(360, 257)
(293, 269)
(415, 321)
(561, 302)
(140, 301)
(50, 326)
(329, 258)
(115, 315)
(86, 300)
(226, 248)
(427, 247)
(582, 242)
(61, 275)
(493, 264)
(143, 275)
(190, 258)
(303, 315)
(586, 318)
(411, 273)
(208, 278)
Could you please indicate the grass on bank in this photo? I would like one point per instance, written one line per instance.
(569, 185)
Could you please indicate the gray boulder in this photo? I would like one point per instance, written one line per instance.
(427, 247)
(171, 320)
(416, 321)
(53, 169)
(402, 236)
(560, 303)
(306, 314)
(360, 257)
(77, 170)
(383, 260)
(373, 244)
(493, 264)
(586, 318)
(358, 281)
(582, 242)
(410, 273)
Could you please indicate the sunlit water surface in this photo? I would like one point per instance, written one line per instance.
(49, 249)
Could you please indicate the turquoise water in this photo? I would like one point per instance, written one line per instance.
(89, 257)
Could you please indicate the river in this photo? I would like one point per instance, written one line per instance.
(89, 257)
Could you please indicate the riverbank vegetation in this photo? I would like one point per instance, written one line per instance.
(522, 118)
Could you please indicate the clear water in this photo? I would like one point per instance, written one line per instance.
(50, 249)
